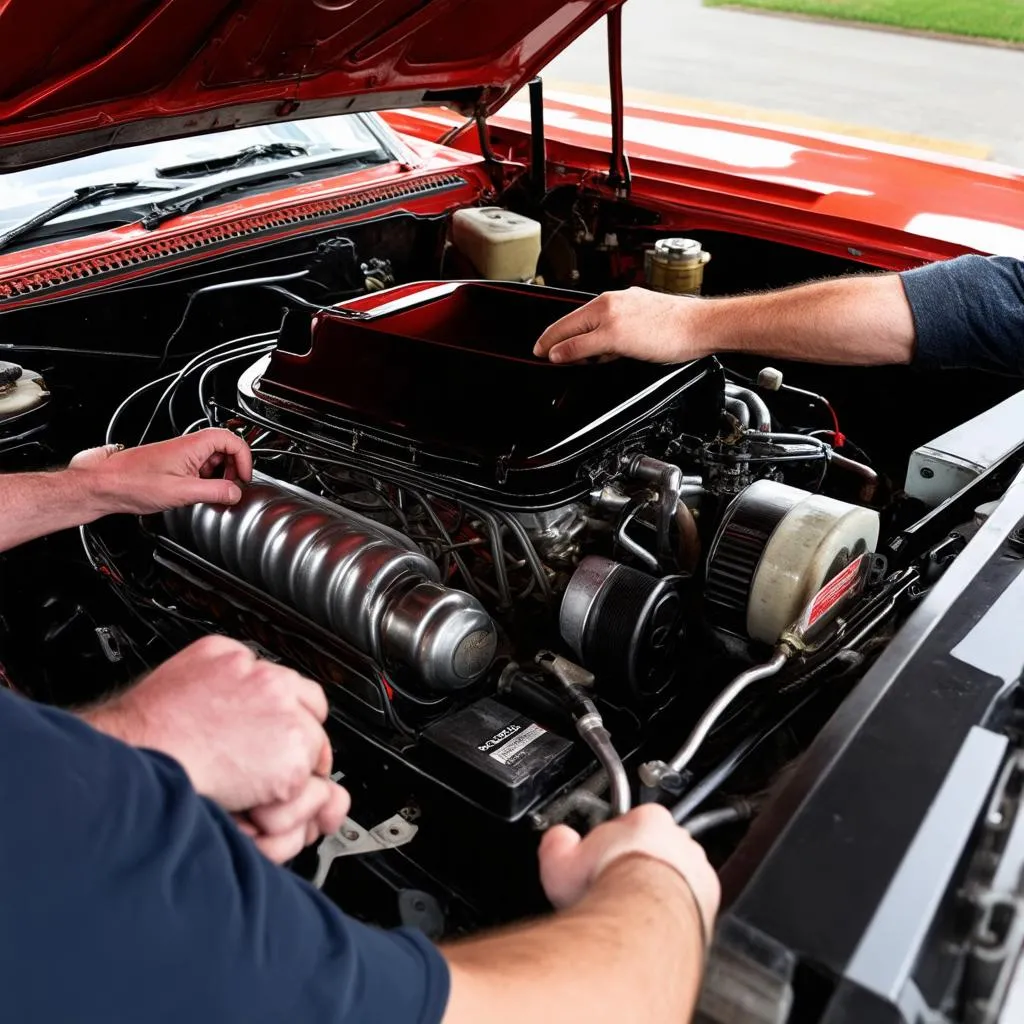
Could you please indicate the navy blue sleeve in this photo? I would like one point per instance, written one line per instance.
(969, 312)
(125, 897)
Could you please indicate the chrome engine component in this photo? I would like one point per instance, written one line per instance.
(366, 582)
(749, 408)
(623, 623)
(775, 548)
(676, 266)
(556, 533)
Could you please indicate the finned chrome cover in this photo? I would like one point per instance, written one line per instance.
(369, 584)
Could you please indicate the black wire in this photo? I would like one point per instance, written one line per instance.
(701, 824)
(468, 581)
(213, 352)
(529, 552)
(316, 307)
(359, 506)
(725, 768)
(490, 521)
(127, 401)
(13, 347)
(234, 413)
(250, 351)
(820, 482)
(219, 287)
(102, 559)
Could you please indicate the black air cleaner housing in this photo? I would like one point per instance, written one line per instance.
(436, 382)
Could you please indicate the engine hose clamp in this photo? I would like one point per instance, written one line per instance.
(589, 722)
(653, 773)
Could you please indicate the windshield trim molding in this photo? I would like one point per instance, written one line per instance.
(239, 230)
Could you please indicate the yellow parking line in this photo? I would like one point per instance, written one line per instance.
(782, 118)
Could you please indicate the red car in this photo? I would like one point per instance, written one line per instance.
(337, 229)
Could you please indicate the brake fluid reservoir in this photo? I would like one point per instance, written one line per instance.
(676, 266)
(21, 392)
(502, 245)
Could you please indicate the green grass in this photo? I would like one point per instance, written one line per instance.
(992, 19)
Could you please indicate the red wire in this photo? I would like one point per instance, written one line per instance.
(838, 437)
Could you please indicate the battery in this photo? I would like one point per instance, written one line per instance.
(513, 761)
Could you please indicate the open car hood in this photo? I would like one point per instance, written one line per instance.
(89, 75)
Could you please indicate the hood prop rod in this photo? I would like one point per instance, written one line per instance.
(486, 151)
(618, 172)
(538, 145)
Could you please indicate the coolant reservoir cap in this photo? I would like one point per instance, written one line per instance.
(9, 372)
(678, 249)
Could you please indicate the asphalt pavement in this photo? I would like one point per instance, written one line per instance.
(959, 97)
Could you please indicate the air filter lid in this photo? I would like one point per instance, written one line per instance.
(775, 548)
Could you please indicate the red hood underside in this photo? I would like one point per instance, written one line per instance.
(82, 75)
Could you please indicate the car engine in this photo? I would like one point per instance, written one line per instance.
(523, 584)
(534, 593)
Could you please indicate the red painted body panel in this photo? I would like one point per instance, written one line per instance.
(896, 207)
(234, 225)
(103, 74)
(889, 209)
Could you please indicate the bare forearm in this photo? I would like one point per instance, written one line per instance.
(35, 504)
(631, 950)
(207, 465)
(850, 321)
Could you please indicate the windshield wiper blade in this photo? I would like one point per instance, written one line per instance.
(80, 197)
(177, 206)
(249, 155)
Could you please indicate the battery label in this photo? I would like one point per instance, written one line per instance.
(498, 738)
(507, 752)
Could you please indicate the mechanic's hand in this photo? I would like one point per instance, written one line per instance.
(247, 732)
(636, 322)
(569, 865)
(203, 466)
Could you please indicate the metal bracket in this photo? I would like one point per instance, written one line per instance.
(112, 643)
(353, 840)
(567, 672)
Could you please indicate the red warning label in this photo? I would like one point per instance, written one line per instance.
(834, 591)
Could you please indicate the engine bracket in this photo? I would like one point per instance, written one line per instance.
(353, 840)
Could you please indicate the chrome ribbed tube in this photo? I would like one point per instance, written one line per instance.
(368, 584)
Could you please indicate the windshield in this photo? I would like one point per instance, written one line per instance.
(25, 193)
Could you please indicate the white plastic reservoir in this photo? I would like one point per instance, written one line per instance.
(503, 246)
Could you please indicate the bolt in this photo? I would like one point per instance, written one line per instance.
(351, 834)
(927, 472)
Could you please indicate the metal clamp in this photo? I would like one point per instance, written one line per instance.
(353, 840)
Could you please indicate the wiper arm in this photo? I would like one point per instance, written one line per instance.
(80, 197)
(159, 212)
(249, 155)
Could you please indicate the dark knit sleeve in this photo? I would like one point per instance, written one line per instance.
(969, 312)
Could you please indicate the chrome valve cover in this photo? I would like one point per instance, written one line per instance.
(367, 583)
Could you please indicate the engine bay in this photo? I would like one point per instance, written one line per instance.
(534, 593)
